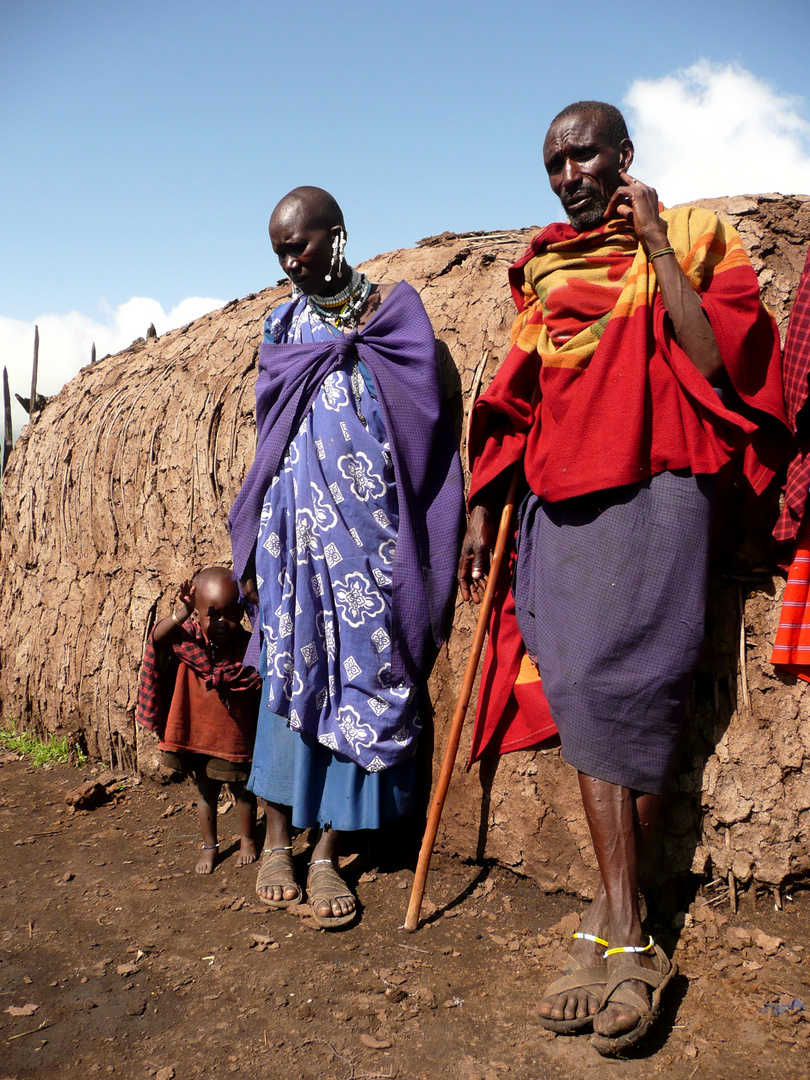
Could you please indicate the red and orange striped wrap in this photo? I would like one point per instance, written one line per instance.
(595, 392)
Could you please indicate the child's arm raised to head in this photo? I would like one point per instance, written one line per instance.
(169, 629)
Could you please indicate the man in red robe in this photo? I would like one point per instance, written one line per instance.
(642, 361)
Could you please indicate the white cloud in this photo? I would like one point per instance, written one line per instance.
(65, 341)
(712, 130)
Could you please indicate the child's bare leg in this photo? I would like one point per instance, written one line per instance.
(246, 809)
(207, 798)
(283, 886)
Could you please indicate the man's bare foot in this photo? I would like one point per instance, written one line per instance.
(632, 1005)
(208, 861)
(248, 852)
(631, 999)
(580, 1003)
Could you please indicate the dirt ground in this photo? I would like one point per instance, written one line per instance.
(117, 959)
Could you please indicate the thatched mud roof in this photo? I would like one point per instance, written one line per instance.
(122, 485)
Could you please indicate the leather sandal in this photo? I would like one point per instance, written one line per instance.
(617, 993)
(276, 868)
(576, 977)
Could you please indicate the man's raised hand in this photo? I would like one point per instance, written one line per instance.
(638, 204)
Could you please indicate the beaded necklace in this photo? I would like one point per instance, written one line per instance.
(344, 308)
(343, 295)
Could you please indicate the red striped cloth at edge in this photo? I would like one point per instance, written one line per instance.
(791, 651)
(796, 382)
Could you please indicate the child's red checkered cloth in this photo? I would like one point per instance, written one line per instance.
(157, 678)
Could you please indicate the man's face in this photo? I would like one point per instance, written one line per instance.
(304, 250)
(583, 167)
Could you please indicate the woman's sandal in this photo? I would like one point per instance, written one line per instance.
(324, 884)
(576, 977)
(618, 994)
(276, 868)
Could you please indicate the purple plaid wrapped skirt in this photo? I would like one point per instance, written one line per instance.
(610, 591)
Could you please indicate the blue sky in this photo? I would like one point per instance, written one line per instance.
(144, 143)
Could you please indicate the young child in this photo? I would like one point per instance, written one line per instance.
(196, 695)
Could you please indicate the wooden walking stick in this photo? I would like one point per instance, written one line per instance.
(443, 783)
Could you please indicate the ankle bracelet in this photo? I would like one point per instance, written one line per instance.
(590, 937)
(210, 847)
(631, 948)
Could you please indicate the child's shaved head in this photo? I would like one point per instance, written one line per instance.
(216, 581)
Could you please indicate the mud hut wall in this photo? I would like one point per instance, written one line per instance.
(121, 488)
(147, 448)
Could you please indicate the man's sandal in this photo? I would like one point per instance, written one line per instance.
(617, 993)
(276, 869)
(576, 977)
(324, 884)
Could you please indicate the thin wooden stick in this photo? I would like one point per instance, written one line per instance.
(454, 736)
(33, 406)
(743, 674)
(8, 437)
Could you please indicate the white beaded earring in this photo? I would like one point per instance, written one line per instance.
(335, 250)
(338, 247)
(341, 250)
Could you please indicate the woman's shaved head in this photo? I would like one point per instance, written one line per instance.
(317, 208)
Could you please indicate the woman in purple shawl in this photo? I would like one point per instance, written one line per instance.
(344, 538)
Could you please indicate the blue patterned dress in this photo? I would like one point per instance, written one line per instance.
(336, 736)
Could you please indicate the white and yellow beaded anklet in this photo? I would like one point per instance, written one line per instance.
(590, 937)
(631, 948)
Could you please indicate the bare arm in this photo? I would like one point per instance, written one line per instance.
(169, 629)
(473, 563)
(479, 540)
(638, 204)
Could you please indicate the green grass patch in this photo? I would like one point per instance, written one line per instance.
(55, 750)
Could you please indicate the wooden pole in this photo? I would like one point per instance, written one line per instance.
(93, 354)
(743, 657)
(454, 736)
(8, 436)
(33, 406)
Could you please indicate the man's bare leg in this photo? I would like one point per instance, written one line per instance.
(207, 799)
(278, 836)
(619, 820)
(598, 918)
(246, 811)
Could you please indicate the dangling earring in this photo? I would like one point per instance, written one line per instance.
(335, 254)
(338, 247)
(296, 292)
(341, 250)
